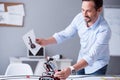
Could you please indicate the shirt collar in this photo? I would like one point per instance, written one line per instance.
(95, 24)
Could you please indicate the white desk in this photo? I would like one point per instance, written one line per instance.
(89, 77)
(74, 77)
(61, 63)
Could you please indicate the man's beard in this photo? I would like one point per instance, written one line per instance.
(87, 19)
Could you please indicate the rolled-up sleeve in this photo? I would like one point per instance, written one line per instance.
(65, 34)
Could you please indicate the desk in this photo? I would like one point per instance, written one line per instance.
(89, 77)
(73, 77)
(61, 63)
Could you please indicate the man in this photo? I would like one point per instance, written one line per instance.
(94, 34)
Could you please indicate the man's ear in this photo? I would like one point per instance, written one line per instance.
(100, 9)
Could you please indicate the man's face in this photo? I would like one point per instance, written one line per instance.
(89, 12)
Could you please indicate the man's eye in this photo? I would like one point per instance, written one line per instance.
(89, 11)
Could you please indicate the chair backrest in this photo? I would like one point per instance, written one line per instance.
(40, 68)
(18, 69)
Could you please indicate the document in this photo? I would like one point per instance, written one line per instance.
(15, 19)
(29, 40)
(16, 10)
(16, 13)
(3, 17)
(2, 9)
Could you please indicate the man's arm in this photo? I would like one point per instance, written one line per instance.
(80, 65)
(44, 42)
(66, 72)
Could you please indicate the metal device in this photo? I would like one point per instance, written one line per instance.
(50, 70)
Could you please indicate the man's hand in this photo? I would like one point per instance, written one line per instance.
(42, 42)
(63, 74)
(45, 42)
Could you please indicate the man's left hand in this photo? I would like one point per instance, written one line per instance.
(63, 74)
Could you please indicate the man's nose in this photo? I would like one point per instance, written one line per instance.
(84, 13)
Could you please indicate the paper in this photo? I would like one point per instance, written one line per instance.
(3, 17)
(2, 9)
(16, 13)
(29, 40)
(15, 19)
(6, 18)
(16, 10)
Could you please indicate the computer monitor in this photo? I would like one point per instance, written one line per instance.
(40, 53)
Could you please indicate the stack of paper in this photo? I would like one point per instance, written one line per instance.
(13, 16)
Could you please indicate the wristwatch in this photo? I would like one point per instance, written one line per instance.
(72, 69)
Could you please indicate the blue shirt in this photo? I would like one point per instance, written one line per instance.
(94, 41)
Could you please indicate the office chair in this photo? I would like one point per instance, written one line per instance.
(40, 67)
(15, 69)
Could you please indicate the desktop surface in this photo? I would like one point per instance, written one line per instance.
(71, 77)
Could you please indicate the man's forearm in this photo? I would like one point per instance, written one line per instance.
(51, 40)
(80, 65)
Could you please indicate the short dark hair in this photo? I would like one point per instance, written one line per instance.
(98, 3)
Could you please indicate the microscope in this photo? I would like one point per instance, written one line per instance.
(50, 70)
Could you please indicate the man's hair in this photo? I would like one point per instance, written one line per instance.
(98, 3)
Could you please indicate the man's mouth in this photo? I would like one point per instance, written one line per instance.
(87, 19)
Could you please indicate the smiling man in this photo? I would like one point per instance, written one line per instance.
(94, 34)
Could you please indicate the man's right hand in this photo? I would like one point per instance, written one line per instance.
(45, 42)
(42, 42)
